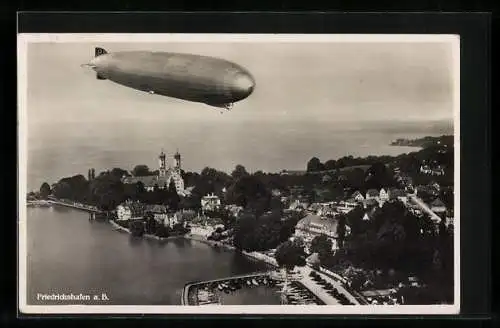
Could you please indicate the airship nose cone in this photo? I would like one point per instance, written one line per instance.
(243, 85)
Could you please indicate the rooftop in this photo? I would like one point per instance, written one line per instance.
(312, 219)
(150, 180)
(437, 202)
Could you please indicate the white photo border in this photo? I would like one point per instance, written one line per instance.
(24, 39)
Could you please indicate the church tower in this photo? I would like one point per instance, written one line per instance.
(163, 164)
(177, 160)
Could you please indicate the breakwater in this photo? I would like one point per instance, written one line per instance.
(188, 286)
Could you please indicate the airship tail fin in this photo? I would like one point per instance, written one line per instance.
(100, 51)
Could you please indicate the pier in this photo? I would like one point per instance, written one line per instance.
(77, 206)
(53, 201)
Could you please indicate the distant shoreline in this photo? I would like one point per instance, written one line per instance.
(425, 142)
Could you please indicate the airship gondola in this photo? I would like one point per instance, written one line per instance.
(209, 80)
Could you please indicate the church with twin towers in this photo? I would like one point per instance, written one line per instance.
(166, 174)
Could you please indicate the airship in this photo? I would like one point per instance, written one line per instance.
(196, 78)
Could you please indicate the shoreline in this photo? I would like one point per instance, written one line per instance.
(410, 146)
(253, 255)
(146, 236)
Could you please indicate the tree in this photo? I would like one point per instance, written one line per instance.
(107, 192)
(330, 164)
(136, 228)
(119, 173)
(354, 220)
(151, 224)
(75, 188)
(173, 197)
(238, 172)
(377, 176)
(341, 230)
(243, 232)
(290, 254)
(45, 190)
(314, 165)
(141, 170)
(323, 246)
(248, 191)
(162, 231)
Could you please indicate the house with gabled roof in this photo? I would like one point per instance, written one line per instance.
(437, 206)
(383, 195)
(358, 196)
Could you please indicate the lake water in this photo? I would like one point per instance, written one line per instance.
(57, 150)
(67, 254)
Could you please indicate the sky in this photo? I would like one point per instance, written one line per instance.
(338, 81)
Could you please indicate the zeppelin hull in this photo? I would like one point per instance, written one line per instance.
(190, 77)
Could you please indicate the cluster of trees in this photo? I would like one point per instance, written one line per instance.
(433, 153)
(245, 189)
(106, 191)
(227, 218)
(335, 186)
(394, 239)
(315, 164)
(152, 227)
(260, 233)
(290, 254)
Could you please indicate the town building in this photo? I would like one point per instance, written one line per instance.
(312, 225)
(398, 194)
(327, 209)
(165, 175)
(423, 190)
(210, 202)
(435, 185)
(130, 210)
(159, 212)
(298, 205)
(347, 205)
(427, 169)
(234, 210)
(383, 195)
(438, 207)
(358, 196)
(171, 220)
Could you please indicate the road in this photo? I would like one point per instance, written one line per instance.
(319, 291)
(425, 208)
